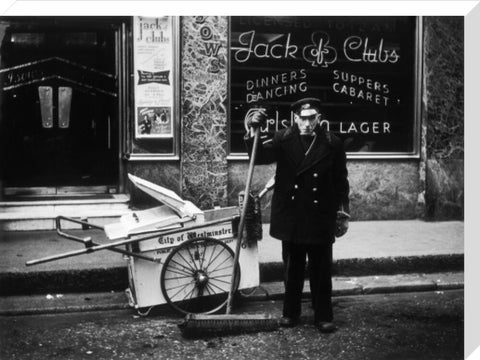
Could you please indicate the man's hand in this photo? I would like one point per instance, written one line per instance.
(341, 224)
(256, 118)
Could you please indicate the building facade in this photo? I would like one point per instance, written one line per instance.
(85, 101)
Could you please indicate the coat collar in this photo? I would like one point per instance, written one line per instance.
(294, 148)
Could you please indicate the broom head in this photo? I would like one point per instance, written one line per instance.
(200, 325)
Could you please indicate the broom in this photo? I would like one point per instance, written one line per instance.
(202, 325)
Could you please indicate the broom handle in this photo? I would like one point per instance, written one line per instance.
(241, 225)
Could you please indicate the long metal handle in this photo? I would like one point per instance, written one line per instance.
(241, 225)
(87, 241)
(86, 251)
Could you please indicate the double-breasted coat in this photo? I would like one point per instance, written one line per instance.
(309, 187)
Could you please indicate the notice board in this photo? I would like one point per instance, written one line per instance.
(363, 69)
(155, 73)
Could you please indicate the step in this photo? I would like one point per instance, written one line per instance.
(114, 202)
(40, 215)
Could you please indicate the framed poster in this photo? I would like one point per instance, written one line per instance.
(154, 121)
(365, 70)
(155, 73)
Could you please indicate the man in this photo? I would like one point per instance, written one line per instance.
(310, 205)
(145, 125)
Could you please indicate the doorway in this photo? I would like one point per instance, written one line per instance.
(60, 107)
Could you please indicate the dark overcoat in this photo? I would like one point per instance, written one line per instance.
(309, 188)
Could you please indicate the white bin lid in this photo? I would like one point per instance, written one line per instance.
(167, 197)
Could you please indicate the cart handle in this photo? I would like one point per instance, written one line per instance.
(85, 226)
(87, 241)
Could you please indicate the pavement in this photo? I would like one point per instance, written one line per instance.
(342, 286)
(373, 257)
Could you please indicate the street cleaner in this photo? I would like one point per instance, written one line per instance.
(310, 205)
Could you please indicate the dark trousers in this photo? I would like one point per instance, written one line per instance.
(320, 273)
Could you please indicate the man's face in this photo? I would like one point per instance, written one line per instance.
(306, 121)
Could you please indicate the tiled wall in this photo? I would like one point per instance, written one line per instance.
(204, 113)
(444, 117)
(379, 189)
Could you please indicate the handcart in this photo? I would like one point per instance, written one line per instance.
(177, 253)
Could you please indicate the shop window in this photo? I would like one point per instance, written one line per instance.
(365, 70)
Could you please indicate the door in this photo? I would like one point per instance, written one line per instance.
(60, 108)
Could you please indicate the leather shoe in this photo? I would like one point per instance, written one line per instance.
(288, 322)
(326, 327)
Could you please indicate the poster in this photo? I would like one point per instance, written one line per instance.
(153, 71)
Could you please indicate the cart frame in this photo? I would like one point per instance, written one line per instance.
(206, 263)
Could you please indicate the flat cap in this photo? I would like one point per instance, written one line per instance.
(306, 103)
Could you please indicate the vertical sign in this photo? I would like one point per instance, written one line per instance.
(153, 68)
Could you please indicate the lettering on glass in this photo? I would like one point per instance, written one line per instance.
(320, 51)
(276, 86)
(361, 87)
(357, 49)
(276, 46)
(81, 77)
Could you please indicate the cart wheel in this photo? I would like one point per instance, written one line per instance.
(196, 276)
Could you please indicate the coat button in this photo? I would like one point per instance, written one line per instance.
(314, 189)
(293, 197)
(315, 175)
(315, 202)
(296, 186)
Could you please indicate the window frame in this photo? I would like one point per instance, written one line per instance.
(129, 137)
(417, 105)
